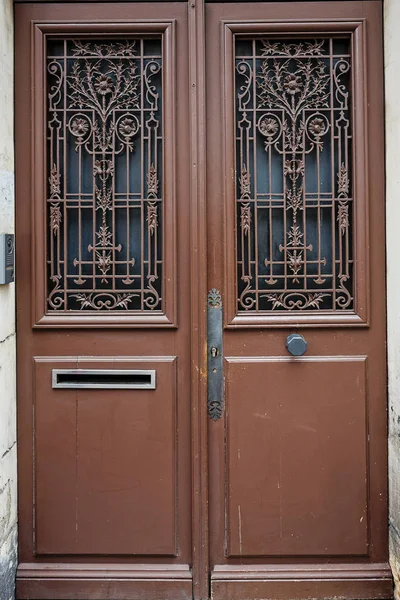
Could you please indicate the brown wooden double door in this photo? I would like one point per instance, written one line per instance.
(177, 166)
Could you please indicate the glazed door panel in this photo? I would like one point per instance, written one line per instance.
(104, 357)
(294, 148)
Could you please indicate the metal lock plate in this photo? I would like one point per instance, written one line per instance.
(6, 258)
(215, 355)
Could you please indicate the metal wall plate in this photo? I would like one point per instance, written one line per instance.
(7, 253)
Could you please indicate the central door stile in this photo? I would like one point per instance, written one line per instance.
(198, 283)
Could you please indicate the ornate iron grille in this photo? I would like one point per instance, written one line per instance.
(104, 145)
(294, 171)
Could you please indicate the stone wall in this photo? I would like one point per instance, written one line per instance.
(8, 450)
(392, 85)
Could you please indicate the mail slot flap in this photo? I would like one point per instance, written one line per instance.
(103, 379)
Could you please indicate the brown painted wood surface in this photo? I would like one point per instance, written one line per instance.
(116, 456)
(138, 494)
(298, 460)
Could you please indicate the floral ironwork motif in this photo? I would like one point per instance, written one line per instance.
(214, 298)
(293, 161)
(104, 165)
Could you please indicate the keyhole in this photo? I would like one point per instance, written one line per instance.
(214, 352)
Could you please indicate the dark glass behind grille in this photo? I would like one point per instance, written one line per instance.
(104, 174)
(294, 174)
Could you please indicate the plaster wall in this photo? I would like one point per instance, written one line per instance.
(8, 450)
(392, 85)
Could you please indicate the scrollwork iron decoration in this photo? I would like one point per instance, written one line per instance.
(293, 161)
(104, 165)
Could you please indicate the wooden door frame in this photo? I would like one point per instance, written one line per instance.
(198, 287)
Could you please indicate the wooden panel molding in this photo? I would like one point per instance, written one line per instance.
(296, 463)
(368, 581)
(122, 317)
(46, 581)
(95, 449)
(246, 317)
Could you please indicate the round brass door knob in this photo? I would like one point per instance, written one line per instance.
(296, 344)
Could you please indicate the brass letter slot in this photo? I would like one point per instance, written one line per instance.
(103, 379)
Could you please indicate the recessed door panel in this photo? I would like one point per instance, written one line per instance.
(99, 495)
(293, 448)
